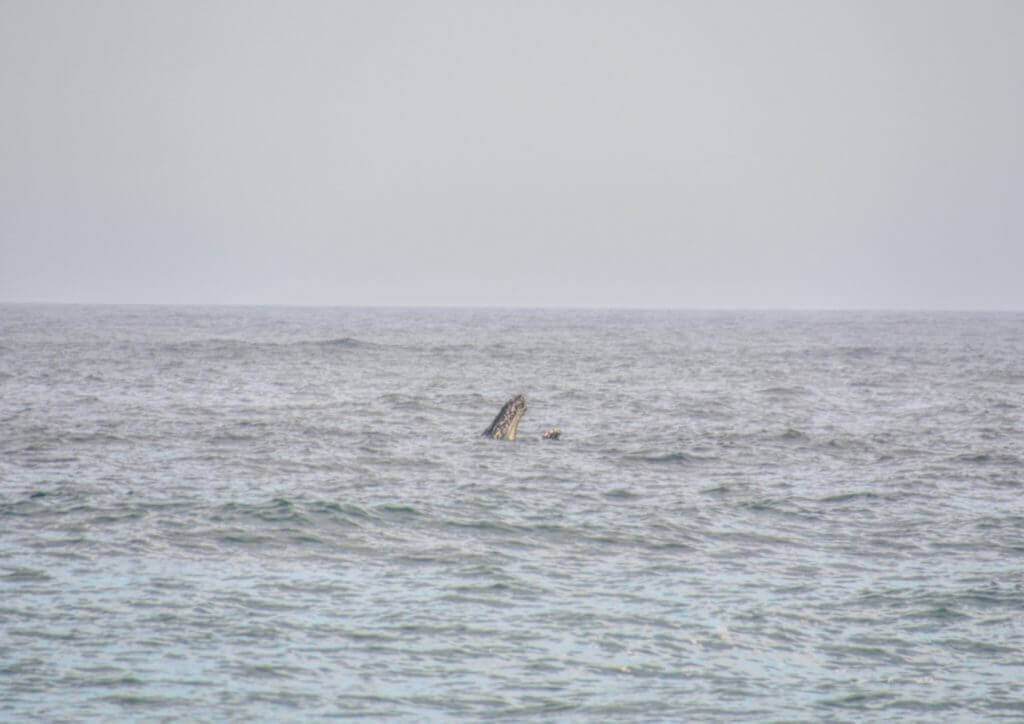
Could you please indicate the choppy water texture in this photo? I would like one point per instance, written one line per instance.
(290, 513)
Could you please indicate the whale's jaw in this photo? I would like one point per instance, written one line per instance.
(506, 424)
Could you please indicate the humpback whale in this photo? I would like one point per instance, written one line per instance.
(506, 424)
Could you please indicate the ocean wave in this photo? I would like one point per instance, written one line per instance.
(668, 458)
(343, 343)
(1001, 460)
(232, 348)
(785, 391)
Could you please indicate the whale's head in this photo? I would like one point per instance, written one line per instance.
(506, 424)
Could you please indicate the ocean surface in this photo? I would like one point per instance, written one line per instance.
(289, 514)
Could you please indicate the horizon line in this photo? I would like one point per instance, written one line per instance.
(513, 307)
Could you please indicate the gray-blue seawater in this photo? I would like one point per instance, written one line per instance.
(288, 513)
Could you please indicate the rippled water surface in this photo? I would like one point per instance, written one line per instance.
(290, 514)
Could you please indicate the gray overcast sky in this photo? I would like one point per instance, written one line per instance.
(655, 154)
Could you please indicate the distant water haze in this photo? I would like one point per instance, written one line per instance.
(687, 154)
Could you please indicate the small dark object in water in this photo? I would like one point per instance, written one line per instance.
(553, 434)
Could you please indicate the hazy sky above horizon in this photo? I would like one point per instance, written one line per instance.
(642, 154)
